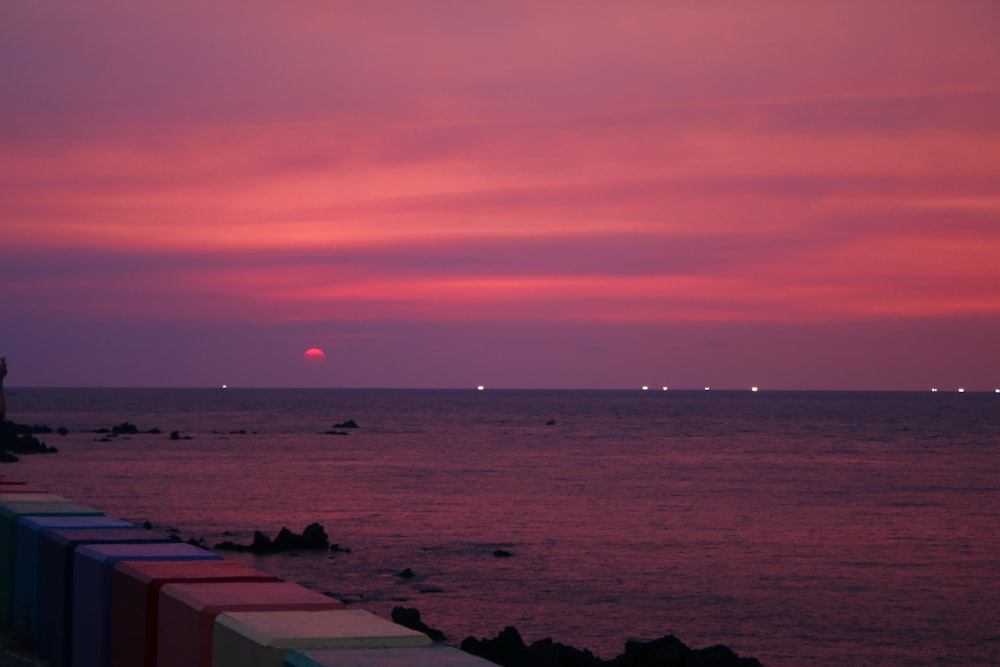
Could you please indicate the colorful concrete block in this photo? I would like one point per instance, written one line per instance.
(135, 589)
(187, 614)
(432, 656)
(91, 607)
(27, 558)
(11, 512)
(58, 548)
(263, 639)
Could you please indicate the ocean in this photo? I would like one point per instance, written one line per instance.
(802, 528)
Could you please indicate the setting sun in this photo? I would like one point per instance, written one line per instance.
(314, 355)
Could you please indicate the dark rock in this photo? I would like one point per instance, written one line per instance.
(261, 543)
(336, 548)
(350, 423)
(20, 439)
(176, 435)
(335, 433)
(669, 651)
(410, 618)
(406, 574)
(313, 538)
(502, 553)
(62, 430)
(126, 428)
(286, 541)
(509, 650)
(547, 652)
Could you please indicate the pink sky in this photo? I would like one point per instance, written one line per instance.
(520, 194)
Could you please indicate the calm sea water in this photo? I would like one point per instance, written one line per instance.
(801, 528)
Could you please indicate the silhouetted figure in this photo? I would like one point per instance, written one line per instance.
(3, 399)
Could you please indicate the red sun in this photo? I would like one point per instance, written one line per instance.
(314, 355)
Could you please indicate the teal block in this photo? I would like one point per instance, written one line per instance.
(10, 512)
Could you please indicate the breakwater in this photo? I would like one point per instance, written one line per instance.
(82, 589)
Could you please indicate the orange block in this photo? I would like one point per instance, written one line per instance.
(135, 590)
(187, 614)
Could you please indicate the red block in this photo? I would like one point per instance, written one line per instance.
(135, 590)
(187, 614)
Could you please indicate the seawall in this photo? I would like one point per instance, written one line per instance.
(81, 589)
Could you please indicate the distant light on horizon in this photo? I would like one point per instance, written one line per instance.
(753, 388)
(961, 390)
(666, 388)
(933, 389)
(645, 387)
(225, 386)
(707, 388)
(480, 388)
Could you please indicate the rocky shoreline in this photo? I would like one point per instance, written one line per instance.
(20, 439)
(507, 649)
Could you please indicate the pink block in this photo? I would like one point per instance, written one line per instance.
(135, 589)
(187, 614)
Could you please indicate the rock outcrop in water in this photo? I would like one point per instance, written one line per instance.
(126, 428)
(313, 538)
(20, 439)
(509, 650)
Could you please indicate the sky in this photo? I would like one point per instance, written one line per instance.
(543, 194)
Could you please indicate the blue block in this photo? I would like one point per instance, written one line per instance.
(56, 592)
(90, 633)
(11, 512)
(27, 555)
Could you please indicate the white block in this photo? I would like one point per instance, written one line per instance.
(264, 638)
